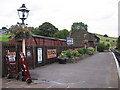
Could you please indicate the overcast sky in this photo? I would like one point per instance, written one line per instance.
(101, 16)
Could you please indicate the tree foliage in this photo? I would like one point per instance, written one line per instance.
(102, 47)
(46, 29)
(79, 25)
(4, 28)
(61, 34)
(105, 35)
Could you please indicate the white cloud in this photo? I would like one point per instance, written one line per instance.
(100, 15)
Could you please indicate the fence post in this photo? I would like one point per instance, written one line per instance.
(44, 55)
(4, 62)
(17, 56)
(34, 56)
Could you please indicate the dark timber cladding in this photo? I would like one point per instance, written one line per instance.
(40, 40)
(80, 35)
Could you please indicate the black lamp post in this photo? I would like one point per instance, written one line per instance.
(23, 13)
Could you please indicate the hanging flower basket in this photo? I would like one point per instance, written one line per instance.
(20, 32)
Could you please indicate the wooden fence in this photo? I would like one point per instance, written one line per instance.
(36, 56)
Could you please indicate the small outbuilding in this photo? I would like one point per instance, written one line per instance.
(82, 37)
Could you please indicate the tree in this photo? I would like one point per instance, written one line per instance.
(31, 29)
(118, 43)
(79, 25)
(46, 29)
(4, 28)
(105, 35)
(12, 28)
(61, 34)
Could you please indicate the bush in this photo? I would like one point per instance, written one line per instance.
(85, 51)
(107, 46)
(101, 47)
(68, 54)
(76, 54)
(91, 49)
(81, 50)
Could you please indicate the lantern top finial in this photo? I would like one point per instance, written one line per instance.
(23, 6)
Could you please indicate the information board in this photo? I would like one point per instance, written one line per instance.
(51, 53)
(39, 52)
(11, 56)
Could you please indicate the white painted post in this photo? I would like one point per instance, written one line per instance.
(96, 48)
(85, 46)
(23, 46)
(23, 41)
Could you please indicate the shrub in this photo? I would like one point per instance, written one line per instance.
(101, 47)
(85, 50)
(91, 49)
(68, 54)
(81, 50)
(107, 46)
(76, 54)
